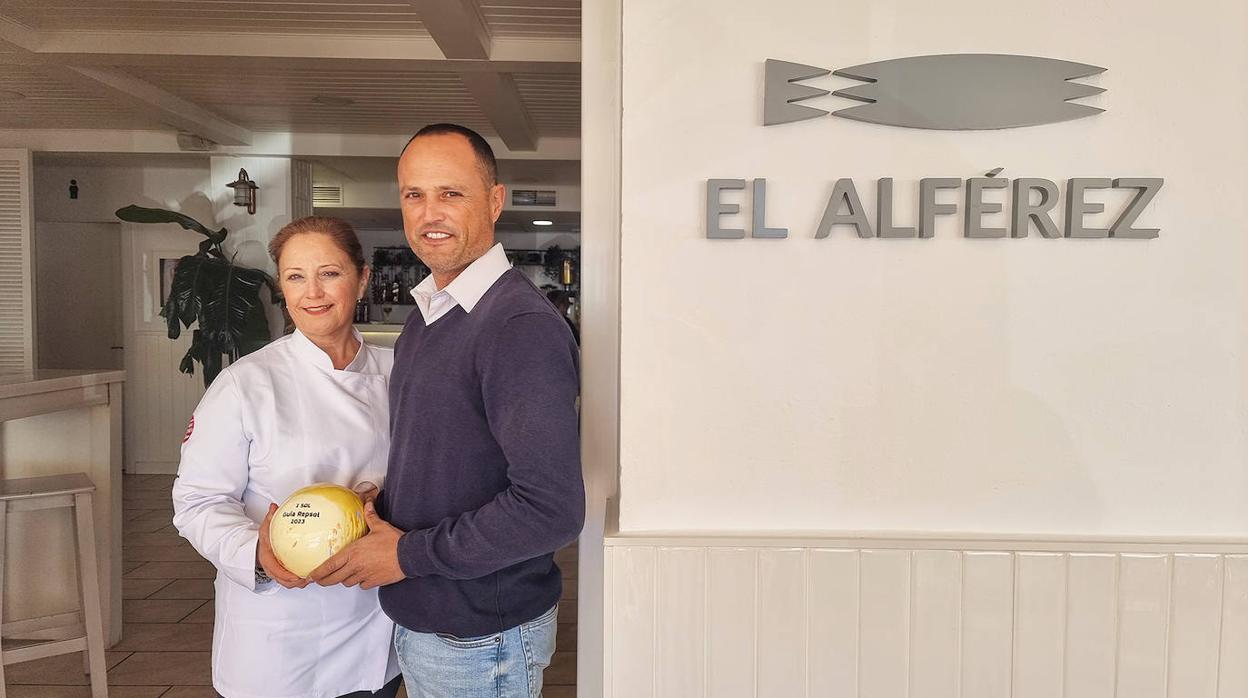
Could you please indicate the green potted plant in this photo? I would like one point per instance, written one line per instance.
(211, 290)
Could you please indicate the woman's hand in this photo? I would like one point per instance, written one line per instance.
(269, 562)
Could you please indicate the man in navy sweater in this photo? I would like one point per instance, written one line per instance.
(484, 481)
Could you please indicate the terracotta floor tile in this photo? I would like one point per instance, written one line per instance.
(141, 588)
(155, 637)
(163, 669)
(562, 670)
(132, 514)
(204, 614)
(62, 670)
(158, 610)
(567, 611)
(85, 691)
(186, 589)
(148, 482)
(160, 553)
(190, 692)
(147, 523)
(200, 569)
(158, 538)
(147, 499)
(565, 638)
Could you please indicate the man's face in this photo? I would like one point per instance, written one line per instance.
(449, 209)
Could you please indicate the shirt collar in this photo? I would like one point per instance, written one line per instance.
(470, 286)
(308, 351)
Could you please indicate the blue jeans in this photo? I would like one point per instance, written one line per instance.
(503, 665)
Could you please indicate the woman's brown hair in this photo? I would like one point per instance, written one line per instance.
(336, 229)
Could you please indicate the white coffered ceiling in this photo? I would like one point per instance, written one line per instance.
(228, 69)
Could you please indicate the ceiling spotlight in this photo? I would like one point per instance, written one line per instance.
(543, 223)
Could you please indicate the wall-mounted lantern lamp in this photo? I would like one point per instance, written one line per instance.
(244, 191)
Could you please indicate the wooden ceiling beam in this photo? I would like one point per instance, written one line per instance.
(498, 98)
(457, 26)
(388, 54)
(462, 33)
(123, 90)
(145, 98)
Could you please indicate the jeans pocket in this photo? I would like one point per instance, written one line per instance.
(546, 618)
(469, 643)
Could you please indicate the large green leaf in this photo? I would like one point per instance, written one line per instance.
(139, 214)
(225, 299)
(211, 290)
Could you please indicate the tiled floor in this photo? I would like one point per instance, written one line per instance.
(167, 632)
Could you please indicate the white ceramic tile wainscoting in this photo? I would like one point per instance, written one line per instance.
(925, 618)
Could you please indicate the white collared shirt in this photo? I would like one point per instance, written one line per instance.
(465, 291)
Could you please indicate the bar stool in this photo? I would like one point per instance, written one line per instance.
(84, 631)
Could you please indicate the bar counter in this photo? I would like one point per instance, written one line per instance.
(54, 422)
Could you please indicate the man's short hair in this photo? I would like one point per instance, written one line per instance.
(485, 154)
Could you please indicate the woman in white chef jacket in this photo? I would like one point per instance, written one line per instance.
(310, 407)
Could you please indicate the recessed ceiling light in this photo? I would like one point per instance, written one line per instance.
(333, 101)
(10, 94)
(543, 223)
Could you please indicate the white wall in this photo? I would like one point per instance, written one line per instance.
(160, 398)
(1033, 385)
(107, 183)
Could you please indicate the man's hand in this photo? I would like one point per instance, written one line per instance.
(371, 561)
(366, 491)
(269, 562)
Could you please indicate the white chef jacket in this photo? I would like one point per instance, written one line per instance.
(277, 420)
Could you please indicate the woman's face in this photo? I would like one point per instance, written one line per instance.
(320, 284)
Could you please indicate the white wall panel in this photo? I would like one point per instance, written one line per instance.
(1040, 624)
(160, 402)
(1195, 626)
(632, 610)
(781, 622)
(731, 622)
(925, 619)
(987, 624)
(1233, 659)
(1091, 625)
(936, 621)
(680, 654)
(832, 635)
(884, 624)
(1143, 622)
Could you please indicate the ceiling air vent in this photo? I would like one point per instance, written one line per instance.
(533, 197)
(326, 195)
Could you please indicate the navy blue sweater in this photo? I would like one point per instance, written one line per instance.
(485, 470)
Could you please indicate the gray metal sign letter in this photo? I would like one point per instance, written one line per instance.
(1148, 186)
(760, 229)
(1025, 212)
(716, 208)
(844, 192)
(976, 207)
(1077, 208)
(928, 208)
(884, 212)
